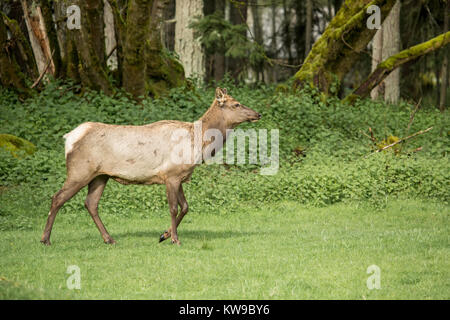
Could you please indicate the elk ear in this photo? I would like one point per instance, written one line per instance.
(220, 93)
(220, 96)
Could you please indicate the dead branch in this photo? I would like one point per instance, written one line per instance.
(404, 139)
(49, 60)
(411, 118)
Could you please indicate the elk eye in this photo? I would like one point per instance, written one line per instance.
(236, 105)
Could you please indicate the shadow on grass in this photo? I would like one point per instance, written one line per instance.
(187, 234)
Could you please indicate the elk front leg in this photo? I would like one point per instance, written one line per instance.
(183, 210)
(172, 188)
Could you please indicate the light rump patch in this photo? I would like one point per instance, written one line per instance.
(75, 135)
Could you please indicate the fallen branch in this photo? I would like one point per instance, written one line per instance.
(404, 139)
(49, 60)
(411, 118)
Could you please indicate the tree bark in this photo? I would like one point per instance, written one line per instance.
(391, 46)
(274, 42)
(110, 36)
(219, 58)
(191, 53)
(287, 32)
(10, 73)
(146, 69)
(85, 57)
(38, 37)
(308, 34)
(387, 66)
(377, 57)
(50, 29)
(238, 15)
(20, 47)
(336, 51)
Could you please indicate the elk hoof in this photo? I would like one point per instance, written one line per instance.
(46, 242)
(164, 236)
(176, 242)
(110, 241)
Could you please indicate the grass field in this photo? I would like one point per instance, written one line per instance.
(282, 251)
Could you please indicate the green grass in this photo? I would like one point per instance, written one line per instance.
(280, 251)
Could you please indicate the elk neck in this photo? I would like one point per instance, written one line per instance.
(213, 118)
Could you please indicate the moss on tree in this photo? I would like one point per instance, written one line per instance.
(147, 68)
(11, 75)
(335, 52)
(387, 66)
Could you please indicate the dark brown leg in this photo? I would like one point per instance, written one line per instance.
(172, 188)
(68, 190)
(95, 191)
(181, 199)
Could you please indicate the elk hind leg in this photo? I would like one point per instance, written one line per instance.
(69, 189)
(95, 191)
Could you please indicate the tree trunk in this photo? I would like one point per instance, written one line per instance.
(274, 42)
(299, 31)
(377, 57)
(110, 36)
(215, 66)
(85, 57)
(190, 50)
(10, 73)
(162, 71)
(20, 47)
(135, 44)
(238, 15)
(390, 64)
(287, 32)
(146, 70)
(336, 51)
(308, 33)
(444, 70)
(391, 46)
(53, 44)
(38, 37)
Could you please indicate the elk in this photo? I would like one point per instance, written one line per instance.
(129, 154)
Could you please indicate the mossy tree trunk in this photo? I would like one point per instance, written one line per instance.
(20, 47)
(47, 13)
(85, 57)
(393, 62)
(336, 51)
(11, 75)
(146, 68)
